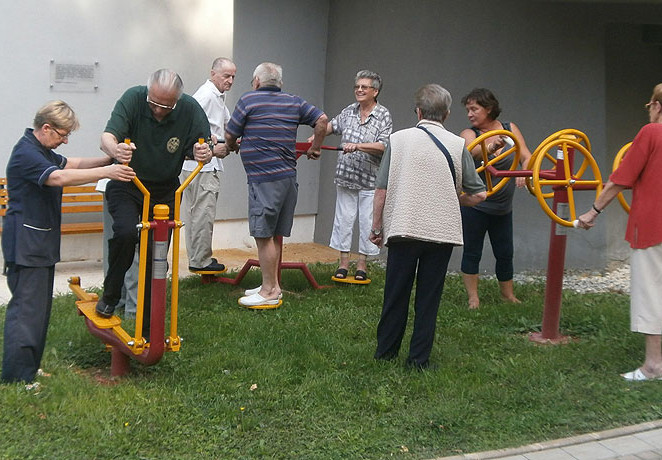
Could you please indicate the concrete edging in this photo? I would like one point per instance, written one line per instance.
(559, 443)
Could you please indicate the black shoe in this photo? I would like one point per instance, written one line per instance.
(418, 366)
(214, 266)
(103, 309)
(388, 356)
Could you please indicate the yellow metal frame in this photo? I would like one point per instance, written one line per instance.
(87, 302)
(617, 162)
(351, 280)
(263, 307)
(87, 306)
(514, 151)
(571, 134)
(173, 342)
(569, 181)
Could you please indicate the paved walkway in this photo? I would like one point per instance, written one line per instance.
(636, 442)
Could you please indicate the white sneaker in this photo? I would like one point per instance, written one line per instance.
(255, 300)
(249, 292)
(253, 291)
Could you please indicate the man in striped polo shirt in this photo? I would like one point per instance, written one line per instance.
(267, 119)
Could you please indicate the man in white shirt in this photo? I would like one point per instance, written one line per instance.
(199, 201)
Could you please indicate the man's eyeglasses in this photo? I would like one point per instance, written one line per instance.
(362, 87)
(156, 104)
(648, 106)
(63, 136)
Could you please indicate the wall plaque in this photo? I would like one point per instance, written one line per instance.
(72, 77)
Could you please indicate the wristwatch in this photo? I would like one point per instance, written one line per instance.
(376, 231)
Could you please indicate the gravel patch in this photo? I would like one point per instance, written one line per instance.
(616, 279)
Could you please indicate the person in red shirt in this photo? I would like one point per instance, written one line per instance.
(639, 170)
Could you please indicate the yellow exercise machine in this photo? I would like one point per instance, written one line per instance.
(124, 346)
(552, 178)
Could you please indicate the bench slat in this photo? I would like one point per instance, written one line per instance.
(82, 198)
(75, 189)
(75, 200)
(81, 227)
(77, 209)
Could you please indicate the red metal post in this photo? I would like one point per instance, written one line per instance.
(555, 263)
(119, 362)
(159, 226)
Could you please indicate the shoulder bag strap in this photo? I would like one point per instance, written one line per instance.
(444, 150)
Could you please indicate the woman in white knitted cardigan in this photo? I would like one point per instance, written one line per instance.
(417, 215)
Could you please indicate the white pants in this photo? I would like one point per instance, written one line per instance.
(348, 203)
(646, 290)
(198, 214)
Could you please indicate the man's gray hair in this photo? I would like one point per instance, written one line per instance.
(433, 101)
(166, 79)
(221, 62)
(374, 76)
(269, 74)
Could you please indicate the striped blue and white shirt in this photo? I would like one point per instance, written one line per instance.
(267, 120)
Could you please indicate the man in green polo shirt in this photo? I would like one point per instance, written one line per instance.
(163, 126)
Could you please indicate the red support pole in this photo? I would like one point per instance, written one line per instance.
(159, 226)
(555, 264)
(119, 362)
(554, 286)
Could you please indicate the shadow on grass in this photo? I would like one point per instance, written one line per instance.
(300, 381)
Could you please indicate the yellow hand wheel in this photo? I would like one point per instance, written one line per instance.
(572, 134)
(489, 160)
(617, 162)
(544, 187)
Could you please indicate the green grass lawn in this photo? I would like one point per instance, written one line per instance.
(300, 382)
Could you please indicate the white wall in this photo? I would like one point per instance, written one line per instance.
(128, 38)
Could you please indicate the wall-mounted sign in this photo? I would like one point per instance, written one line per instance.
(66, 76)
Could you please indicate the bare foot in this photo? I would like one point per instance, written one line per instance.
(362, 264)
(474, 303)
(511, 299)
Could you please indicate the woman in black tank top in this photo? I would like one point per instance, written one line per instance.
(494, 215)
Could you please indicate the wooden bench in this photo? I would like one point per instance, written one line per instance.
(75, 199)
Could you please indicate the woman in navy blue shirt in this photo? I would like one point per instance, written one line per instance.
(31, 230)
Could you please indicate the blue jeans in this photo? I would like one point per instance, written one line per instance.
(500, 230)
